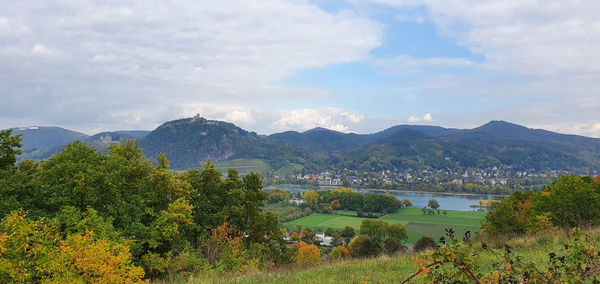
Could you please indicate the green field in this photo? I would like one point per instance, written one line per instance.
(417, 224)
(321, 222)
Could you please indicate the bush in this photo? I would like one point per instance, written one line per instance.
(309, 255)
(34, 251)
(424, 243)
(364, 246)
(339, 252)
(391, 246)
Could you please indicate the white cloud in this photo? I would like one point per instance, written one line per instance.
(425, 117)
(155, 57)
(237, 116)
(304, 119)
(540, 57)
(42, 50)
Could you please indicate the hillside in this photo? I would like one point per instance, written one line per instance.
(190, 142)
(38, 137)
(116, 136)
(394, 269)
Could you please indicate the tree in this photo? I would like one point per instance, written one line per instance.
(35, 251)
(8, 153)
(336, 239)
(432, 203)
(308, 255)
(335, 204)
(375, 229)
(339, 252)
(571, 200)
(407, 202)
(364, 246)
(311, 198)
(504, 218)
(397, 231)
(391, 246)
(379, 230)
(347, 234)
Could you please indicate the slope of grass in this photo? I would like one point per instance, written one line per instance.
(395, 269)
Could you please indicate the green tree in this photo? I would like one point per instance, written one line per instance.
(397, 231)
(364, 246)
(570, 200)
(504, 216)
(432, 203)
(10, 147)
(375, 229)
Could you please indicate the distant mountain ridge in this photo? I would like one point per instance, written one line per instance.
(189, 142)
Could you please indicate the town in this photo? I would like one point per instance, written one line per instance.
(494, 180)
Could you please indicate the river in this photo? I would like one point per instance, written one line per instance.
(447, 201)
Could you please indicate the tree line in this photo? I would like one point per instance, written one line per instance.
(348, 199)
(64, 217)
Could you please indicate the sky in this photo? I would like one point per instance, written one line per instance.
(270, 66)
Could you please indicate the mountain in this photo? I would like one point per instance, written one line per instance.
(522, 147)
(190, 142)
(116, 136)
(409, 148)
(320, 139)
(38, 137)
(41, 142)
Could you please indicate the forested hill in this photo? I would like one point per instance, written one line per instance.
(189, 142)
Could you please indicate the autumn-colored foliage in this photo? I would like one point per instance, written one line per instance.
(309, 255)
(33, 251)
(339, 252)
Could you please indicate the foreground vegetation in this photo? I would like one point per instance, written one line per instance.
(86, 216)
(394, 269)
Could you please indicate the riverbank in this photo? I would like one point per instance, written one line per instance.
(374, 190)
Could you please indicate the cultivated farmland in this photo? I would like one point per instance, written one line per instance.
(417, 224)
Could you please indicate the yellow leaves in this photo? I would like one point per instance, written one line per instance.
(98, 260)
(523, 210)
(3, 238)
(299, 245)
(309, 255)
(343, 250)
(35, 249)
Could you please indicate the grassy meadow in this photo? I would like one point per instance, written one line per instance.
(417, 224)
(387, 269)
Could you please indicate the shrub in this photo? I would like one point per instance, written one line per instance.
(364, 246)
(339, 252)
(424, 243)
(391, 246)
(309, 255)
(34, 251)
